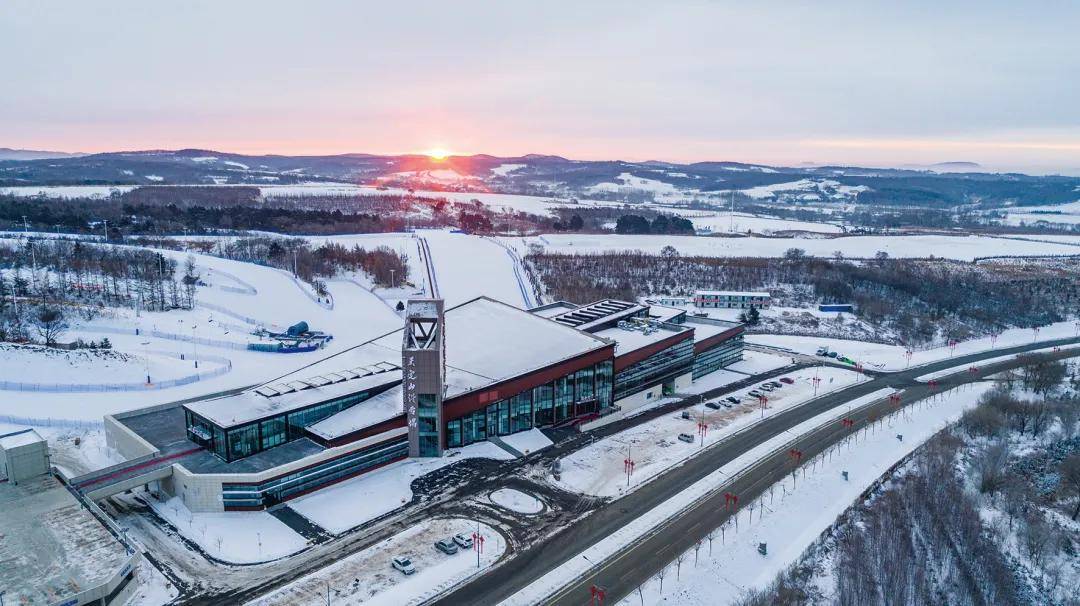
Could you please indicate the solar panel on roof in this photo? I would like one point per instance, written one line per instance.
(284, 388)
(267, 392)
(336, 377)
(298, 385)
(318, 381)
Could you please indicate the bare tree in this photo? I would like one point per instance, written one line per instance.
(1070, 479)
(51, 323)
(660, 574)
(697, 550)
(679, 559)
(641, 591)
(711, 537)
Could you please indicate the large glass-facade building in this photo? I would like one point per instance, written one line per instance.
(661, 366)
(574, 395)
(726, 353)
(237, 442)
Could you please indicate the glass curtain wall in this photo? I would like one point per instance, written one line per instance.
(542, 406)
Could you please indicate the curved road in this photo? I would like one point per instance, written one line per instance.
(622, 575)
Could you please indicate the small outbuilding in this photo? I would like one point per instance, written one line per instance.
(23, 455)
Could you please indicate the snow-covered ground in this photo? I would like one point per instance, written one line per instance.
(149, 587)
(719, 223)
(32, 364)
(881, 356)
(963, 248)
(755, 362)
(1055, 213)
(597, 469)
(238, 537)
(368, 578)
(795, 516)
(467, 267)
(527, 442)
(356, 316)
(354, 502)
(540, 589)
(515, 500)
(66, 191)
(964, 367)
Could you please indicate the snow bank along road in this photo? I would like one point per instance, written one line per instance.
(622, 575)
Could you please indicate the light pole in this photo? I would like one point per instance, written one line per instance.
(393, 283)
(194, 345)
(146, 356)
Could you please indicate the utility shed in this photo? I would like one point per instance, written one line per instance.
(23, 455)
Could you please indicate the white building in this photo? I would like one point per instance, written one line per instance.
(730, 299)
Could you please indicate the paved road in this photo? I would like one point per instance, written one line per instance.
(622, 575)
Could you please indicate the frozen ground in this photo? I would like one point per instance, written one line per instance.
(515, 500)
(367, 577)
(597, 469)
(795, 517)
(237, 537)
(894, 357)
(964, 248)
(354, 502)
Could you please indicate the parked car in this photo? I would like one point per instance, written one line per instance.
(403, 564)
(464, 541)
(686, 414)
(713, 405)
(776, 384)
(822, 351)
(755, 394)
(832, 354)
(446, 546)
(685, 437)
(787, 380)
(732, 399)
(726, 405)
(766, 387)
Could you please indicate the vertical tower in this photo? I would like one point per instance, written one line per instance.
(423, 361)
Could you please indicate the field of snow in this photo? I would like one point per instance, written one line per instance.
(1056, 213)
(894, 357)
(796, 516)
(937, 374)
(467, 267)
(58, 368)
(66, 191)
(812, 189)
(367, 577)
(755, 362)
(719, 223)
(238, 537)
(597, 469)
(354, 502)
(515, 500)
(964, 248)
(239, 297)
(527, 442)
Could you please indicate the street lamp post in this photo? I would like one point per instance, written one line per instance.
(146, 356)
(194, 345)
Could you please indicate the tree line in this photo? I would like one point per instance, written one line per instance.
(918, 300)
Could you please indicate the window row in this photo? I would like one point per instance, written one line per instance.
(662, 365)
(576, 394)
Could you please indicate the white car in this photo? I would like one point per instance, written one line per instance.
(404, 564)
(463, 540)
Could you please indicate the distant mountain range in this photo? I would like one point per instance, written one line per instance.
(945, 184)
(6, 153)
